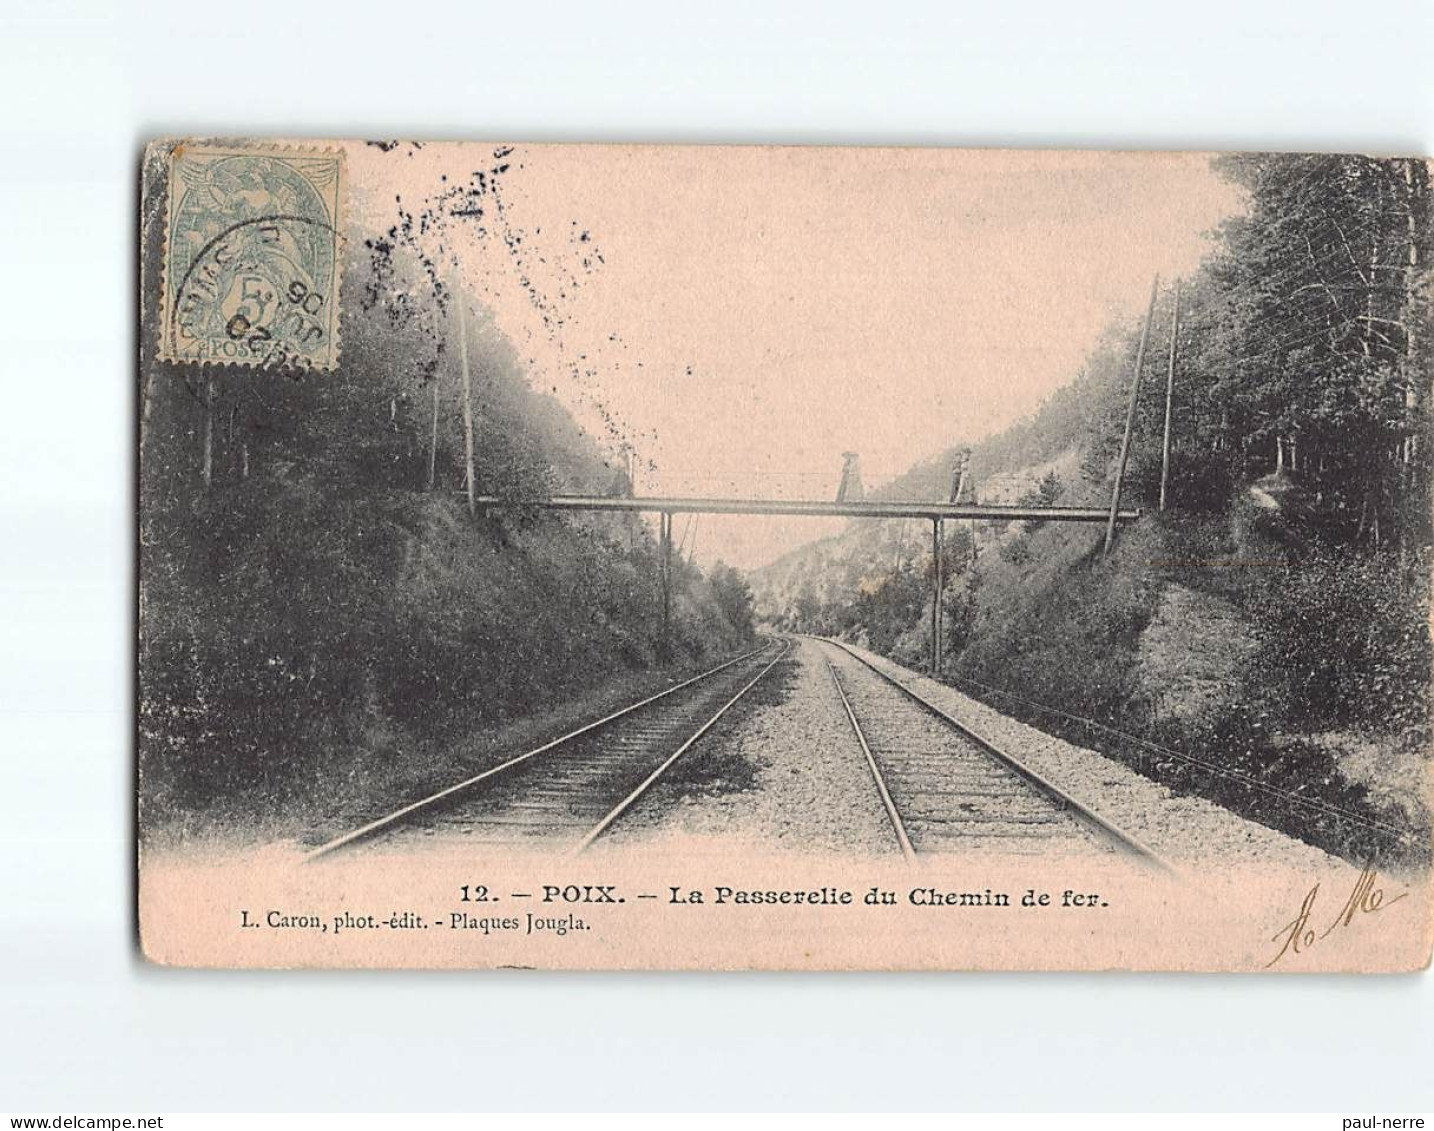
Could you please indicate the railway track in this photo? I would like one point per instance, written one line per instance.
(945, 788)
(568, 792)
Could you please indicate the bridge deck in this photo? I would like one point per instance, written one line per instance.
(813, 507)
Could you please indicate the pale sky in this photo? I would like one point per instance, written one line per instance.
(758, 311)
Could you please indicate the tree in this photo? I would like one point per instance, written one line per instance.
(733, 596)
(1320, 364)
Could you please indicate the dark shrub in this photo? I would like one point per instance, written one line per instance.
(1344, 641)
(1198, 481)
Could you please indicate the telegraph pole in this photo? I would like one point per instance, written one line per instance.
(1129, 420)
(433, 437)
(460, 298)
(1169, 396)
(206, 468)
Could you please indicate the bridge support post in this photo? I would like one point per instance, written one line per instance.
(665, 542)
(938, 583)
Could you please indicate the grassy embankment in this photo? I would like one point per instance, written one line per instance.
(1291, 669)
(435, 645)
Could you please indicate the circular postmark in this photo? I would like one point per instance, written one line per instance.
(256, 294)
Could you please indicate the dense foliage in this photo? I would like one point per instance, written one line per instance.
(1303, 342)
(1298, 494)
(316, 597)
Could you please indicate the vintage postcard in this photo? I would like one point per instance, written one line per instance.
(678, 557)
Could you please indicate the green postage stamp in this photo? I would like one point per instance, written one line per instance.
(251, 256)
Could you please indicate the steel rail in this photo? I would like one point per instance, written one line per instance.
(627, 802)
(1063, 797)
(886, 799)
(406, 811)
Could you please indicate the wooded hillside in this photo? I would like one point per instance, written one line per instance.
(317, 602)
(1295, 546)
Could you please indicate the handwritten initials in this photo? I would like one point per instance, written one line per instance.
(1365, 899)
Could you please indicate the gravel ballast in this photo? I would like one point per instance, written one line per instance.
(1183, 830)
(804, 786)
(808, 791)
